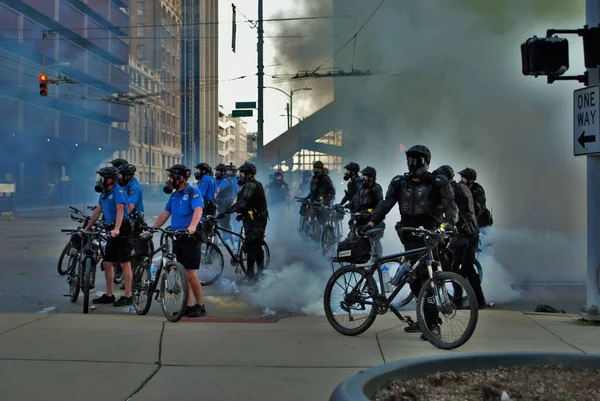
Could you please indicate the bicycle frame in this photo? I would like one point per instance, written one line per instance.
(165, 258)
(217, 230)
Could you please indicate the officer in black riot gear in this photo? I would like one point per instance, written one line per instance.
(464, 244)
(354, 182)
(321, 188)
(484, 216)
(367, 198)
(278, 195)
(424, 199)
(251, 204)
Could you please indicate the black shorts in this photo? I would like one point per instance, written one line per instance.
(119, 249)
(188, 252)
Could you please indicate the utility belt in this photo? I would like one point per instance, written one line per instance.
(125, 229)
(137, 222)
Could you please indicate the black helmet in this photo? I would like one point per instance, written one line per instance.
(127, 169)
(247, 168)
(109, 172)
(325, 171)
(231, 167)
(220, 167)
(419, 151)
(469, 174)
(180, 169)
(118, 162)
(203, 166)
(446, 171)
(369, 171)
(318, 164)
(352, 167)
(278, 172)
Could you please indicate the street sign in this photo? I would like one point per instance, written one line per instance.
(586, 129)
(241, 113)
(245, 105)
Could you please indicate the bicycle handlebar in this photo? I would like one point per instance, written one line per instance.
(166, 232)
(437, 232)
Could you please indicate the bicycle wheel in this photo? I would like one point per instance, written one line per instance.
(119, 276)
(142, 288)
(177, 286)
(353, 298)
(439, 295)
(479, 270)
(266, 260)
(74, 278)
(327, 240)
(88, 265)
(66, 251)
(211, 265)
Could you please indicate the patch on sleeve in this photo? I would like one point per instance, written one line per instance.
(131, 192)
(120, 191)
(195, 196)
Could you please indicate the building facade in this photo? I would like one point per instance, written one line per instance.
(227, 138)
(151, 150)
(50, 145)
(241, 140)
(200, 81)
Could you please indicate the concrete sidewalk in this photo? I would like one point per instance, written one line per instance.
(111, 357)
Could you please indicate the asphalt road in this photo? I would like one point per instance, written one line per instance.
(29, 282)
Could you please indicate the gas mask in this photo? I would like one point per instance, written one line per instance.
(171, 184)
(347, 175)
(278, 178)
(367, 180)
(241, 180)
(198, 174)
(416, 166)
(124, 179)
(317, 171)
(100, 184)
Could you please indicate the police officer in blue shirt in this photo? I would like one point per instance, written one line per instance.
(208, 188)
(112, 203)
(185, 207)
(232, 173)
(225, 194)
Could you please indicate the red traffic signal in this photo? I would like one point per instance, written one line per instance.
(43, 85)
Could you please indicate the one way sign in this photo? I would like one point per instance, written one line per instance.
(586, 128)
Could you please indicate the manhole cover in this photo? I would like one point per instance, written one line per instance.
(228, 320)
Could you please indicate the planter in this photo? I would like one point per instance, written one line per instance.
(365, 384)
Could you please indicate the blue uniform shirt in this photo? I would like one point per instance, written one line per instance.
(235, 185)
(207, 187)
(226, 187)
(182, 204)
(135, 196)
(109, 201)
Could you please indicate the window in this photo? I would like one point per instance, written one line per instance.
(140, 31)
(141, 50)
(141, 11)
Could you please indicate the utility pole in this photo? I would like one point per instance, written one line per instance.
(260, 74)
(592, 19)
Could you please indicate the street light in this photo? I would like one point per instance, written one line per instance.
(291, 97)
(283, 115)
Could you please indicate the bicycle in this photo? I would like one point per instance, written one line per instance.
(332, 231)
(144, 284)
(366, 287)
(309, 224)
(238, 256)
(82, 264)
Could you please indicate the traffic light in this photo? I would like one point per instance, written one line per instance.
(545, 56)
(43, 85)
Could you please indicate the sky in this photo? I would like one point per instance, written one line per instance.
(243, 63)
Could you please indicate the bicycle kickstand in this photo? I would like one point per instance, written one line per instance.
(404, 319)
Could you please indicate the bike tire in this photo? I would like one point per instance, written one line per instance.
(215, 252)
(473, 306)
(87, 280)
(180, 270)
(118, 277)
(327, 239)
(372, 289)
(64, 253)
(266, 261)
(74, 286)
(479, 270)
(140, 276)
(406, 300)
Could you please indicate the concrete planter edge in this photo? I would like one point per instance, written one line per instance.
(365, 384)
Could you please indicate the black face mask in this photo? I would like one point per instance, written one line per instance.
(170, 185)
(100, 185)
(198, 174)
(416, 167)
(346, 176)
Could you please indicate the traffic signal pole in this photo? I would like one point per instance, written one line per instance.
(591, 310)
(260, 74)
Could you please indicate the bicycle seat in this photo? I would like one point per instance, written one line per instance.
(372, 232)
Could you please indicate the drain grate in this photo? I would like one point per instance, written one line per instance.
(228, 320)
